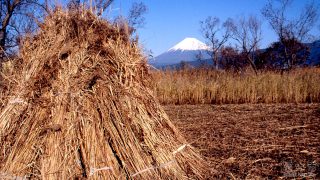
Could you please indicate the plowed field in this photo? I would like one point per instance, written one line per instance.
(254, 141)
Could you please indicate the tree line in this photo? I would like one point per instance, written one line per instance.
(246, 34)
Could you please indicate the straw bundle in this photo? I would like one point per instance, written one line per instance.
(79, 107)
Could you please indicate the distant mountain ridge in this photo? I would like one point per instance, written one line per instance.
(314, 53)
(191, 51)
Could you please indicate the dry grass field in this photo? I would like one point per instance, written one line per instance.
(254, 141)
(206, 86)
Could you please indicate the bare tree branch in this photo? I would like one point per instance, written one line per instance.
(135, 17)
(247, 33)
(17, 17)
(211, 29)
(290, 31)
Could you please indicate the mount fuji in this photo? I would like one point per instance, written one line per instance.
(191, 51)
(188, 50)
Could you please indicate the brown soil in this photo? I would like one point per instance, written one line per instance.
(254, 141)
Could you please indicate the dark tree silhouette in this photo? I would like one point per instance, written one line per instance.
(18, 17)
(290, 30)
(272, 59)
(231, 59)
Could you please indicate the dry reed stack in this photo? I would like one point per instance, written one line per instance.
(79, 106)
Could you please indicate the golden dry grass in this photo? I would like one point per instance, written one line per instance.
(75, 104)
(204, 86)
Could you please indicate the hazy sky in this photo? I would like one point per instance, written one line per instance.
(170, 21)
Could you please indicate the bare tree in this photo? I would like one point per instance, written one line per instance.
(272, 58)
(216, 35)
(247, 33)
(17, 17)
(73, 4)
(97, 7)
(290, 29)
(102, 5)
(135, 17)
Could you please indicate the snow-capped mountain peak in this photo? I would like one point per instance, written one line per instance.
(188, 50)
(189, 44)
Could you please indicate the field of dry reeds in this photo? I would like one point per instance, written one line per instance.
(205, 86)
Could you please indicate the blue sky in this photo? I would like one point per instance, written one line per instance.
(170, 21)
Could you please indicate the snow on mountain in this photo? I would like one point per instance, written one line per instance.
(189, 49)
(189, 44)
